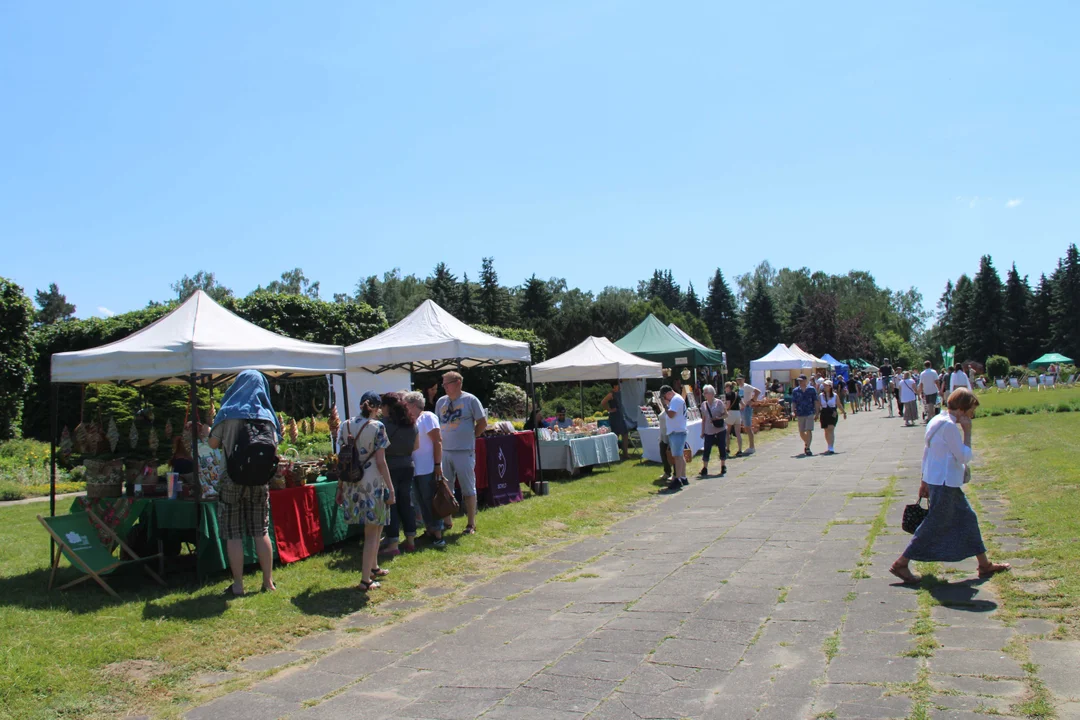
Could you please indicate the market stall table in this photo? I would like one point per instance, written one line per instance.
(573, 454)
(650, 440)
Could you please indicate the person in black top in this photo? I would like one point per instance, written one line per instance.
(401, 432)
(886, 383)
(734, 417)
(853, 393)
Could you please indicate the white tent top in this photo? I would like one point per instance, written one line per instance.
(595, 358)
(812, 360)
(679, 331)
(779, 358)
(430, 338)
(199, 337)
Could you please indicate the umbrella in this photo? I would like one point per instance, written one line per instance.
(1050, 359)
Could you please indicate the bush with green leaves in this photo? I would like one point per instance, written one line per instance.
(997, 366)
(507, 401)
(16, 355)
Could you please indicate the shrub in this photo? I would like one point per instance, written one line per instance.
(507, 401)
(16, 355)
(997, 366)
(1022, 410)
(1064, 407)
(1017, 371)
(997, 412)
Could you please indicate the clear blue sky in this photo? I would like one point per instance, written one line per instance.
(588, 140)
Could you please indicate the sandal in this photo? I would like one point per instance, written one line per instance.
(993, 569)
(469, 530)
(390, 553)
(904, 574)
(379, 572)
(366, 585)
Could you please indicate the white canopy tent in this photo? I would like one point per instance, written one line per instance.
(780, 358)
(199, 339)
(594, 358)
(681, 333)
(431, 339)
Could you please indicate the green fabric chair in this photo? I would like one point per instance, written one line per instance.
(77, 536)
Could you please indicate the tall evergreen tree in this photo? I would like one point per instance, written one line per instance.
(962, 297)
(721, 316)
(691, 304)
(1017, 316)
(1065, 305)
(796, 319)
(495, 307)
(1041, 334)
(662, 285)
(370, 292)
(53, 305)
(986, 316)
(467, 311)
(443, 287)
(536, 302)
(761, 327)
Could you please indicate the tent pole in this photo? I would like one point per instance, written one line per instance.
(581, 389)
(193, 412)
(536, 430)
(345, 396)
(52, 469)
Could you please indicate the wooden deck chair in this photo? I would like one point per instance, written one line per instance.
(1033, 383)
(1048, 382)
(78, 539)
(980, 383)
(1014, 384)
(1071, 381)
(1000, 382)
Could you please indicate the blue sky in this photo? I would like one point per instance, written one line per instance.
(594, 141)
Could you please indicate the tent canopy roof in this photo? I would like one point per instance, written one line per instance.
(779, 358)
(199, 337)
(686, 336)
(595, 358)
(1049, 358)
(429, 338)
(833, 361)
(812, 360)
(653, 340)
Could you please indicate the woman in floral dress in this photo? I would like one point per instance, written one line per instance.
(369, 500)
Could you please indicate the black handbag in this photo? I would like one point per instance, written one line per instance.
(913, 517)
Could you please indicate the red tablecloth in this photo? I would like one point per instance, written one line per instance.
(295, 512)
(523, 470)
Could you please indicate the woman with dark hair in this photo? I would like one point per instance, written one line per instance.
(430, 388)
(403, 437)
(368, 501)
(950, 532)
(181, 461)
(612, 403)
(830, 406)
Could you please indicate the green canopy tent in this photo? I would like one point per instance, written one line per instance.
(1051, 359)
(655, 341)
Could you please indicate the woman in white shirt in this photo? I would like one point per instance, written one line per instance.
(950, 531)
(959, 378)
(830, 406)
(909, 398)
(427, 463)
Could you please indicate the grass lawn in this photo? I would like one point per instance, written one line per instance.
(993, 402)
(79, 654)
(1033, 460)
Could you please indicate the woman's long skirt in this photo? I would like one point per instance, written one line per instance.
(950, 532)
(911, 411)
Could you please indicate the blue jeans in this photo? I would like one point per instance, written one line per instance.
(717, 440)
(425, 490)
(401, 512)
(676, 441)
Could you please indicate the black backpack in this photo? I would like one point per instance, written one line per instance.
(253, 459)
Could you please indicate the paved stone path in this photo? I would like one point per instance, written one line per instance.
(753, 596)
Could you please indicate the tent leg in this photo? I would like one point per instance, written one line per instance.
(345, 396)
(581, 389)
(52, 467)
(193, 410)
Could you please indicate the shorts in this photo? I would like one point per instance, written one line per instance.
(460, 465)
(829, 417)
(806, 423)
(734, 419)
(930, 400)
(747, 415)
(676, 441)
(243, 511)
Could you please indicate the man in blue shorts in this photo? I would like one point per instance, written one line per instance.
(748, 394)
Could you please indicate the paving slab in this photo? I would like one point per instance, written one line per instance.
(1058, 662)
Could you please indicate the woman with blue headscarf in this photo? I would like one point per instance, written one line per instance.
(244, 511)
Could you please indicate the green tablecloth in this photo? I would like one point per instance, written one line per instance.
(332, 517)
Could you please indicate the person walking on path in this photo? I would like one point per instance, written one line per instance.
(853, 393)
(909, 395)
(928, 385)
(713, 430)
(244, 510)
(427, 463)
(805, 406)
(959, 378)
(734, 416)
(748, 395)
(897, 378)
(462, 419)
(830, 404)
(368, 501)
(950, 531)
(886, 383)
(675, 408)
(665, 449)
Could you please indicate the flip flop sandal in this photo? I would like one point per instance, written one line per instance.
(366, 585)
(905, 575)
(379, 572)
(995, 568)
(469, 530)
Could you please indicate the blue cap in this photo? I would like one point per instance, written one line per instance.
(371, 398)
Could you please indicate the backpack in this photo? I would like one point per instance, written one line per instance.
(350, 466)
(253, 459)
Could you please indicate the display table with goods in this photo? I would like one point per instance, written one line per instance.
(650, 432)
(503, 463)
(577, 447)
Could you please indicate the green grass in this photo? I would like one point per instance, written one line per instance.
(24, 471)
(67, 654)
(1023, 401)
(831, 646)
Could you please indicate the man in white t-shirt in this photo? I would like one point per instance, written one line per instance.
(748, 394)
(675, 409)
(928, 388)
(959, 378)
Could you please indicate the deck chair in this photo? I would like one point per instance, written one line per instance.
(77, 536)
(1048, 382)
(1000, 382)
(980, 383)
(1071, 381)
(1033, 382)
(1014, 384)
